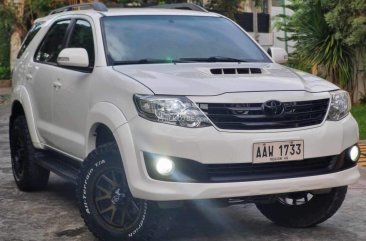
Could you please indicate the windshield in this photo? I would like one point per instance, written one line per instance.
(159, 39)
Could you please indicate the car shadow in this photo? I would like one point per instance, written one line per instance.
(208, 223)
(62, 189)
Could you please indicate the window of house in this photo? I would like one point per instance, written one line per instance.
(277, 3)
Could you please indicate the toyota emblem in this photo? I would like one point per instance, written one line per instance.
(273, 108)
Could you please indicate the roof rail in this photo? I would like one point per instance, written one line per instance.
(97, 6)
(185, 6)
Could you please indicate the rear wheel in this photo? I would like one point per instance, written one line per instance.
(304, 209)
(28, 175)
(106, 203)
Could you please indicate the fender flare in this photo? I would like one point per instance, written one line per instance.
(21, 95)
(102, 113)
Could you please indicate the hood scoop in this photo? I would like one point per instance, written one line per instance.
(232, 71)
(210, 79)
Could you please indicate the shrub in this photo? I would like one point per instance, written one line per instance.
(363, 99)
(6, 26)
(4, 72)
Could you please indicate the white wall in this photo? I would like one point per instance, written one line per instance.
(276, 33)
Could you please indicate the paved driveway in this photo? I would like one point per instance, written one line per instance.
(53, 215)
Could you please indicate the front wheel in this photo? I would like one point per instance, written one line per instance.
(304, 209)
(106, 203)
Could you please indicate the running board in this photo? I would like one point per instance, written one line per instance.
(59, 164)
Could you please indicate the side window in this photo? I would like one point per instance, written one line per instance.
(31, 34)
(53, 43)
(82, 37)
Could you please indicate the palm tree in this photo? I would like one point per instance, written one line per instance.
(317, 43)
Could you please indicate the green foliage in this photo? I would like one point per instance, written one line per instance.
(348, 19)
(363, 99)
(359, 112)
(7, 17)
(328, 33)
(4, 72)
(34, 9)
(227, 7)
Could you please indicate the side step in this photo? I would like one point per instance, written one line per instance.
(59, 164)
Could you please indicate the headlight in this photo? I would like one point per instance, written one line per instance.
(340, 105)
(178, 111)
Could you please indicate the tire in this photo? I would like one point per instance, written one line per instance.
(313, 210)
(28, 175)
(102, 185)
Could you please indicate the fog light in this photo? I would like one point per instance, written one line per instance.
(164, 166)
(354, 153)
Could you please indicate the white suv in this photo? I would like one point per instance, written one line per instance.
(145, 109)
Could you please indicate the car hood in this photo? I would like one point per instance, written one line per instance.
(197, 79)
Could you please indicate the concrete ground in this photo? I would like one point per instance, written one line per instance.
(53, 215)
(4, 95)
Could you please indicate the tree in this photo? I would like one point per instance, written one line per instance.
(348, 19)
(226, 7)
(7, 16)
(34, 9)
(329, 34)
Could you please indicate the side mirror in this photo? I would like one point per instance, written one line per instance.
(279, 55)
(73, 57)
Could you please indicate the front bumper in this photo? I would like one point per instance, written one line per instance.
(190, 171)
(210, 146)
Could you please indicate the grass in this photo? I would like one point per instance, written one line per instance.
(359, 112)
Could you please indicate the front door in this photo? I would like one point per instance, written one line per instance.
(71, 97)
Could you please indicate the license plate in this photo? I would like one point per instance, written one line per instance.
(278, 151)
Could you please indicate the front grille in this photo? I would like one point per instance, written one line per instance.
(267, 171)
(251, 116)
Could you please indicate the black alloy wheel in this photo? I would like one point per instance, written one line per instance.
(115, 203)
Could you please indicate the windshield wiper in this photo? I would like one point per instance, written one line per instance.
(214, 59)
(149, 61)
(181, 60)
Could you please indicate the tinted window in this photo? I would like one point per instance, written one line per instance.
(31, 34)
(82, 37)
(53, 43)
(131, 38)
(277, 3)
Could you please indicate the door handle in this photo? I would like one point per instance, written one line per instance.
(57, 84)
(28, 77)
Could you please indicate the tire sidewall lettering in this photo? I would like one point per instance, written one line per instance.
(99, 163)
(143, 218)
(85, 185)
(96, 164)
